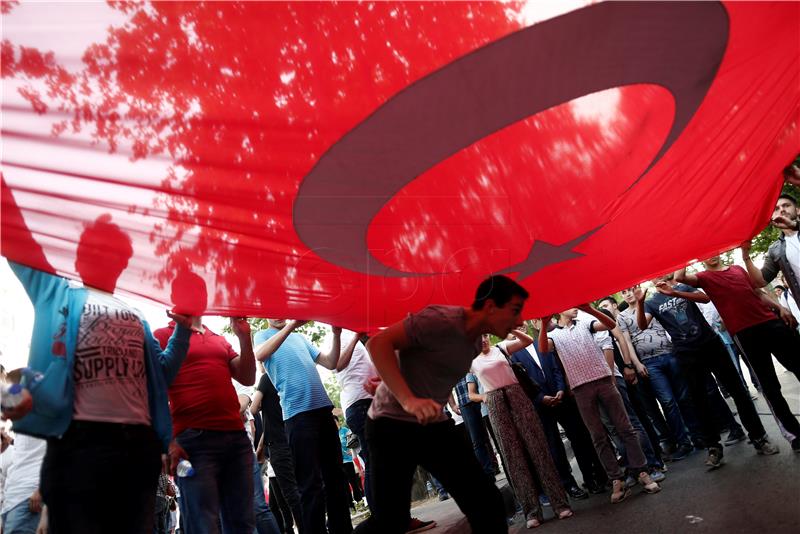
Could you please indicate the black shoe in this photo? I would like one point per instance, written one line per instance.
(734, 437)
(595, 488)
(577, 493)
(682, 452)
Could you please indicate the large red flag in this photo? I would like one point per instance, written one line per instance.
(353, 162)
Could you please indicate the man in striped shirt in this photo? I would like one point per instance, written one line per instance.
(290, 360)
(589, 374)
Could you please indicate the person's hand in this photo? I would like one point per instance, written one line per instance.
(787, 317)
(745, 247)
(642, 370)
(371, 385)
(629, 375)
(20, 410)
(665, 289)
(176, 454)
(261, 455)
(294, 324)
(425, 410)
(5, 440)
(792, 175)
(240, 326)
(784, 223)
(456, 409)
(550, 401)
(560, 396)
(183, 320)
(517, 333)
(639, 294)
(44, 522)
(337, 330)
(35, 502)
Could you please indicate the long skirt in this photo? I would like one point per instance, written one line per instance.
(524, 446)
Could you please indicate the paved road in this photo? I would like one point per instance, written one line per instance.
(749, 494)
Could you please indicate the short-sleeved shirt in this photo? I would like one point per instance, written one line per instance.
(202, 395)
(353, 377)
(471, 378)
(493, 370)
(583, 360)
(439, 353)
(681, 318)
(650, 342)
(462, 391)
(109, 372)
(271, 412)
(293, 371)
(735, 299)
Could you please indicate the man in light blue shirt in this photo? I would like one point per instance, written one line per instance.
(290, 360)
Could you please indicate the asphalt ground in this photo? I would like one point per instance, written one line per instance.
(748, 494)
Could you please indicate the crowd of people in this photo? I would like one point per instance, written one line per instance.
(176, 418)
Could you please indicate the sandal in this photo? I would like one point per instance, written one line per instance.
(565, 513)
(532, 523)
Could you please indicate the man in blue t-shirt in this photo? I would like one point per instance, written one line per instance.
(290, 360)
(700, 351)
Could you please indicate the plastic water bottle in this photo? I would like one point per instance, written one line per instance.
(12, 396)
(184, 469)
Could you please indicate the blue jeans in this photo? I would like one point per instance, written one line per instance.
(222, 486)
(673, 394)
(265, 521)
(20, 520)
(478, 435)
(356, 417)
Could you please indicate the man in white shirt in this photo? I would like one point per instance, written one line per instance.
(22, 502)
(783, 254)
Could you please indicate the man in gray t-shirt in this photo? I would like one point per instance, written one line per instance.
(420, 360)
(659, 366)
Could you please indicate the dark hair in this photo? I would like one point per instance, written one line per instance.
(606, 312)
(782, 288)
(500, 289)
(623, 306)
(610, 299)
(790, 169)
(788, 197)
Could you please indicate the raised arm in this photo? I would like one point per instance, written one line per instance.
(347, 353)
(695, 296)
(642, 317)
(522, 341)
(330, 359)
(606, 322)
(268, 348)
(686, 278)
(382, 348)
(545, 343)
(243, 366)
(759, 277)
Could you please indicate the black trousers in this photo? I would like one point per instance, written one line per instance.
(761, 341)
(317, 454)
(353, 481)
(712, 356)
(101, 477)
(397, 447)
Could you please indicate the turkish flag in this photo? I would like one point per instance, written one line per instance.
(354, 162)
